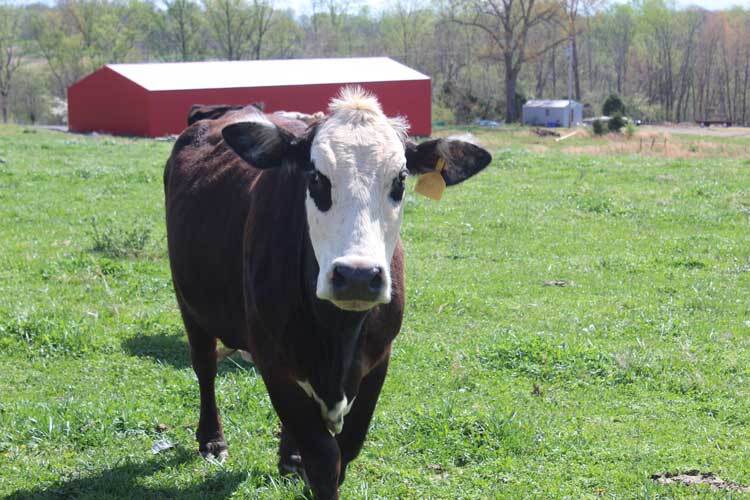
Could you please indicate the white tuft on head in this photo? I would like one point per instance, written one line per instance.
(401, 125)
(355, 98)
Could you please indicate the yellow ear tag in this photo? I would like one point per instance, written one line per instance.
(432, 184)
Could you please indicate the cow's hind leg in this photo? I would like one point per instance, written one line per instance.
(209, 434)
(357, 422)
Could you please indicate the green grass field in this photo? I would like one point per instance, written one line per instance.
(503, 383)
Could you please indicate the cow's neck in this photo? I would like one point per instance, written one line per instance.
(289, 323)
(329, 348)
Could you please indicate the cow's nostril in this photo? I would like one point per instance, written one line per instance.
(338, 279)
(376, 283)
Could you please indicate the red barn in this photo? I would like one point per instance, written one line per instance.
(154, 99)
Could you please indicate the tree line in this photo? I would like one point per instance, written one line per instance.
(485, 57)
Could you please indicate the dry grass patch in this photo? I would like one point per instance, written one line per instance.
(646, 142)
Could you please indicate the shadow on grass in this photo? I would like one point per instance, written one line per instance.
(173, 350)
(163, 348)
(125, 481)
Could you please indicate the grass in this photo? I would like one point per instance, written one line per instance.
(503, 383)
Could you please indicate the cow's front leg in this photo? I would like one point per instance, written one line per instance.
(319, 451)
(357, 422)
(290, 460)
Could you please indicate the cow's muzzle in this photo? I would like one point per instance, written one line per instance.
(357, 283)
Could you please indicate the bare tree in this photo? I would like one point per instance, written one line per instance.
(10, 52)
(230, 24)
(407, 17)
(507, 24)
(619, 32)
(261, 21)
(184, 28)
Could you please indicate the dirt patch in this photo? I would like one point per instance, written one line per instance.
(556, 283)
(649, 143)
(693, 477)
(543, 132)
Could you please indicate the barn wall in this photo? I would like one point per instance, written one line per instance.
(106, 102)
(413, 99)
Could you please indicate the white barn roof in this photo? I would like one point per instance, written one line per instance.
(548, 103)
(264, 73)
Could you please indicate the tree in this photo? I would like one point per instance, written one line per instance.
(287, 38)
(404, 24)
(613, 105)
(79, 36)
(59, 48)
(239, 27)
(619, 31)
(30, 99)
(11, 19)
(261, 19)
(570, 9)
(507, 24)
(183, 28)
(616, 123)
(229, 21)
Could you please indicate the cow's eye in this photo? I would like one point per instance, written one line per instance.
(320, 189)
(398, 186)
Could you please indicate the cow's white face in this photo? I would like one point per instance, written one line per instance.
(355, 201)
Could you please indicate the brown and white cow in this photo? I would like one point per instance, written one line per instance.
(284, 242)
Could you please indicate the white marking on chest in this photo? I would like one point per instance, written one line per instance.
(334, 417)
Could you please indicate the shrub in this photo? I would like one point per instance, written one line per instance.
(616, 123)
(629, 129)
(613, 105)
(598, 127)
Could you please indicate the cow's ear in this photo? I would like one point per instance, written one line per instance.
(454, 159)
(264, 145)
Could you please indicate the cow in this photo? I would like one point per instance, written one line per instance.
(284, 242)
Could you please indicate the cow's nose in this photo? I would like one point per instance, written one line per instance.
(357, 283)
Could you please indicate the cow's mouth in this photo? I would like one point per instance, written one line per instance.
(354, 305)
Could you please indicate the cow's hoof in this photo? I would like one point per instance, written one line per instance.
(292, 466)
(215, 451)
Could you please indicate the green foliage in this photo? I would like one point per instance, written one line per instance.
(116, 241)
(630, 129)
(30, 100)
(616, 122)
(442, 114)
(613, 105)
(563, 315)
(598, 127)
